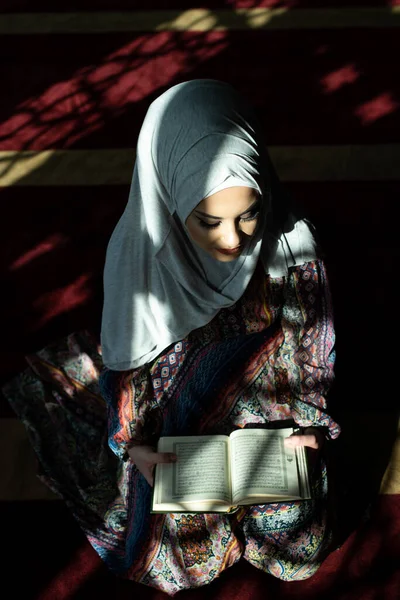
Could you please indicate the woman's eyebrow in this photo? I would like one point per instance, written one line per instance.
(203, 214)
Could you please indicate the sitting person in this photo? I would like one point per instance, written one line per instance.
(217, 316)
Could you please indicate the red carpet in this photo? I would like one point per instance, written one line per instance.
(331, 87)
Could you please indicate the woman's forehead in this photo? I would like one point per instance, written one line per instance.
(228, 203)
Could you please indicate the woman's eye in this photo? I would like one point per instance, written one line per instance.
(251, 217)
(207, 225)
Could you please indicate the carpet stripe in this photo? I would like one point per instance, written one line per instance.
(18, 465)
(199, 19)
(40, 6)
(391, 479)
(114, 166)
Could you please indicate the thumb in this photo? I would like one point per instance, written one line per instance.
(164, 457)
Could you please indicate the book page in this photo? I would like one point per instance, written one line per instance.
(302, 465)
(201, 472)
(261, 465)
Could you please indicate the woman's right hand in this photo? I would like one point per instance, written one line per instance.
(146, 458)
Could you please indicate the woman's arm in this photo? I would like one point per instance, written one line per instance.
(307, 322)
(133, 418)
(131, 407)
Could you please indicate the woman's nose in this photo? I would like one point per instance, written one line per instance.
(231, 237)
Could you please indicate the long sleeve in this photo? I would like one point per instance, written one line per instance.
(309, 338)
(131, 408)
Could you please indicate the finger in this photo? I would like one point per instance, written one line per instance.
(164, 457)
(295, 441)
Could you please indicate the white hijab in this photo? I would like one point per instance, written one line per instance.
(197, 138)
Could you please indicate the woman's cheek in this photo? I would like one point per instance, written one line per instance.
(250, 228)
(203, 237)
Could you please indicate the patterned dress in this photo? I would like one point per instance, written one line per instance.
(268, 358)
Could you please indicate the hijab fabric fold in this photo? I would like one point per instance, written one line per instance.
(199, 137)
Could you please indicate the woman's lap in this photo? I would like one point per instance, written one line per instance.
(288, 541)
(61, 408)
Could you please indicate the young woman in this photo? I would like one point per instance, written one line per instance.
(217, 315)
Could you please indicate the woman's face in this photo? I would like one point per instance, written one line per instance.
(223, 223)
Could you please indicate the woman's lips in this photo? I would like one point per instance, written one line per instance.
(230, 250)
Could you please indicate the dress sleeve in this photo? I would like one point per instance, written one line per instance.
(309, 338)
(132, 412)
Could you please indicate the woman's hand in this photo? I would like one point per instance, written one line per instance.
(312, 438)
(146, 458)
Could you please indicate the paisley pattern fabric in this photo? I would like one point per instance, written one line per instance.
(268, 358)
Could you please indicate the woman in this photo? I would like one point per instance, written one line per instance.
(217, 315)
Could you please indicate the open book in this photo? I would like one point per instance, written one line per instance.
(216, 473)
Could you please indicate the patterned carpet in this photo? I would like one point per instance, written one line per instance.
(324, 78)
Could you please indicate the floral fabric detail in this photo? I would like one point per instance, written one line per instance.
(268, 358)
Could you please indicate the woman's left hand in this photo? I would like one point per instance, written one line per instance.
(311, 438)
